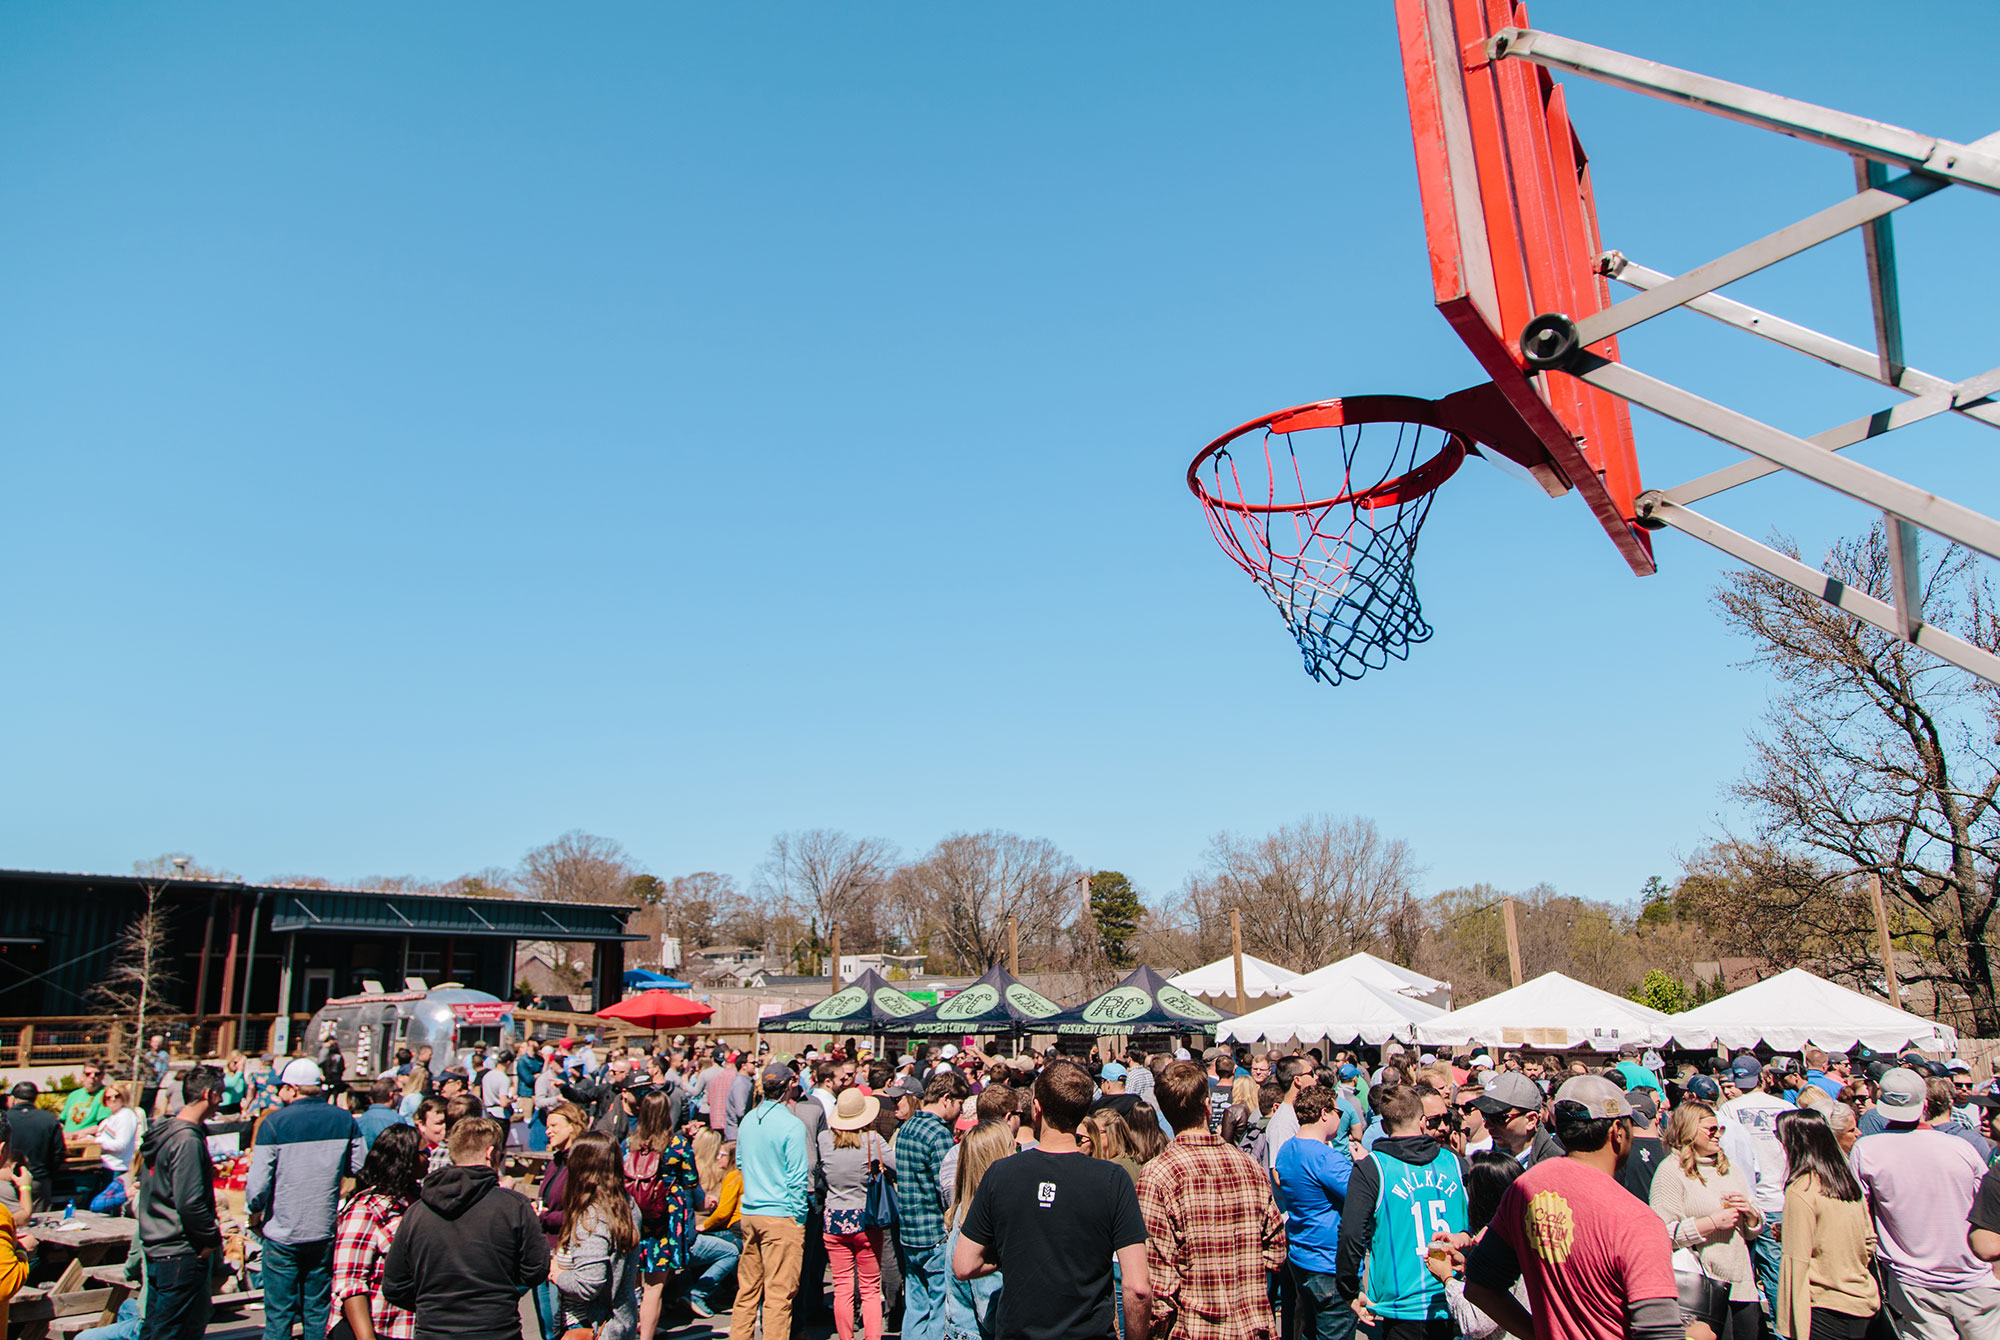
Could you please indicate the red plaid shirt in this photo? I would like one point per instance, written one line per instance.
(360, 1245)
(1213, 1231)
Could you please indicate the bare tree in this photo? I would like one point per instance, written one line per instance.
(179, 865)
(825, 876)
(958, 897)
(696, 908)
(1309, 893)
(1877, 758)
(577, 867)
(133, 989)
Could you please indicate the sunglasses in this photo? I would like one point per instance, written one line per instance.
(1433, 1122)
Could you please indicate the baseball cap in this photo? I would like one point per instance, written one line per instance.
(778, 1070)
(1210, 1054)
(949, 1050)
(1181, 1054)
(1482, 1062)
(1645, 1102)
(1112, 1070)
(1902, 1094)
(1877, 1069)
(1704, 1089)
(905, 1087)
(1350, 1071)
(302, 1073)
(1427, 1059)
(1591, 1096)
(1746, 1072)
(1510, 1091)
(1957, 1066)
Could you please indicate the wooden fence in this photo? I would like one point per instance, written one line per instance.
(70, 1039)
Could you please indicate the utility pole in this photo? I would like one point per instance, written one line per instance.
(1888, 947)
(1513, 940)
(1013, 944)
(833, 960)
(1236, 952)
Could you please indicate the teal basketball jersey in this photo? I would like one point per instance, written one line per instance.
(1412, 1204)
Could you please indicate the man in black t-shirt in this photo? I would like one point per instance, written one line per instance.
(1984, 1217)
(1051, 1219)
(1648, 1150)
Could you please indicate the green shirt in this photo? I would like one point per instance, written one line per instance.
(83, 1111)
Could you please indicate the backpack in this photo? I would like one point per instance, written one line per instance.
(646, 1182)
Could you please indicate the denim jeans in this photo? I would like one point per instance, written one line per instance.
(176, 1298)
(714, 1255)
(1765, 1256)
(129, 1326)
(924, 1286)
(298, 1287)
(1323, 1313)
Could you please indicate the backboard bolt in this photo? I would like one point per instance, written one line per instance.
(1645, 506)
(1611, 264)
(1549, 341)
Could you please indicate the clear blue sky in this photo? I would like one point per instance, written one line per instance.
(432, 428)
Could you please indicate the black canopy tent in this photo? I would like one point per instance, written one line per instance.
(868, 1004)
(998, 1002)
(1144, 1002)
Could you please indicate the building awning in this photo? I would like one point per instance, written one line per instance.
(422, 914)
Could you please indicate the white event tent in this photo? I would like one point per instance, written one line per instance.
(1346, 1009)
(1218, 979)
(1797, 1009)
(1552, 1012)
(1379, 972)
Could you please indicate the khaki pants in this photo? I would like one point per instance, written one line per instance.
(768, 1274)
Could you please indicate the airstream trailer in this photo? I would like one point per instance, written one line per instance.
(450, 1020)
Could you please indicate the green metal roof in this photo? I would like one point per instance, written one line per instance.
(426, 914)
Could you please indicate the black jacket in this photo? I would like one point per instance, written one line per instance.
(176, 1208)
(37, 1141)
(463, 1254)
(1357, 1215)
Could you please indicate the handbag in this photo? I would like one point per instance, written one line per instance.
(880, 1211)
(1702, 1297)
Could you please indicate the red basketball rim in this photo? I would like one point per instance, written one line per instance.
(1349, 411)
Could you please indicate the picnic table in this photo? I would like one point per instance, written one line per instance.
(90, 1238)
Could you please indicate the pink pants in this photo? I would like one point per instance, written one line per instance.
(851, 1255)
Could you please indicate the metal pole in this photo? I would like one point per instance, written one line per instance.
(1888, 948)
(1236, 952)
(249, 970)
(201, 975)
(1513, 940)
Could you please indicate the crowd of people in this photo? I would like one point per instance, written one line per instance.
(956, 1194)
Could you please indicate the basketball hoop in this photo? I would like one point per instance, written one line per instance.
(1336, 562)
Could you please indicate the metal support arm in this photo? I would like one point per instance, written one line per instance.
(1968, 164)
(1655, 510)
(1938, 515)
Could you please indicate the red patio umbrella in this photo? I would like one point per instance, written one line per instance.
(658, 1010)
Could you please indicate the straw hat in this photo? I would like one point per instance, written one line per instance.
(854, 1110)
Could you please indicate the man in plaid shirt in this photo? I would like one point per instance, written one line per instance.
(921, 1145)
(1214, 1231)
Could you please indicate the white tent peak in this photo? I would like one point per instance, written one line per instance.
(1798, 1009)
(1379, 972)
(1260, 978)
(1551, 1012)
(1346, 1009)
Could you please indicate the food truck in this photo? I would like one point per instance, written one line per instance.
(450, 1020)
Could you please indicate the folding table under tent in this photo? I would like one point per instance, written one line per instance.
(1144, 1002)
(999, 1002)
(1379, 972)
(1345, 1010)
(1551, 1013)
(1797, 1009)
(1218, 979)
(868, 1004)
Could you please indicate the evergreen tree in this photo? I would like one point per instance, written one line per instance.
(1115, 907)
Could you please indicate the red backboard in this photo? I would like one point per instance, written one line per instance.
(1512, 232)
